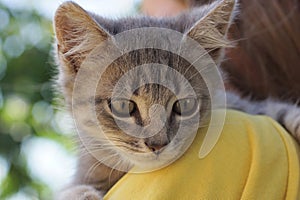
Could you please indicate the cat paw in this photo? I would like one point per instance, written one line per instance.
(81, 192)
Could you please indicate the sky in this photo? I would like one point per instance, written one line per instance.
(107, 8)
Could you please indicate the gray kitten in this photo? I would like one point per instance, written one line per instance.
(106, 154)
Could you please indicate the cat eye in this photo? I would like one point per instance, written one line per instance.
(185, 107)
(122, 107)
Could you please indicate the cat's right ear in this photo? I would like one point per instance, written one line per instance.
(77, 34)
(211, 30)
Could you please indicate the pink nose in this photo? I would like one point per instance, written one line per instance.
(155, 146)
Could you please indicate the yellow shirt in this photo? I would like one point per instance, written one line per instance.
(254, 158)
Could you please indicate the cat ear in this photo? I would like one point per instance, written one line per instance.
(77, 34)
(211, 30)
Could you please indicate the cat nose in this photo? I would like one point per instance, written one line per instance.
(155, 146)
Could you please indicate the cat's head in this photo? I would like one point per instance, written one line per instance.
(144, 96)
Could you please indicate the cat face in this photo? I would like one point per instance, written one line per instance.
(144, 117)
(147, 102)
(142, 103)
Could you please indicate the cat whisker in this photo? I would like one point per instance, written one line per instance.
(112, 170)
(91, 170)
(97, 164)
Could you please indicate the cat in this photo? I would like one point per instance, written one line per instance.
(106, 154)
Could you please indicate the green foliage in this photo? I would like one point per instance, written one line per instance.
(26, 99)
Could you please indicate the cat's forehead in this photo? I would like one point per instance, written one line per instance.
(151, 74)
(131, 60)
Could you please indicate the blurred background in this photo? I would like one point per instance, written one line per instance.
(37, 155)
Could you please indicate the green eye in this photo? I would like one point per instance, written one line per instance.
(122, 107)
(185, 107)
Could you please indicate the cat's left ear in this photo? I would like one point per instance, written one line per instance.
(77, 34)
(211, 30)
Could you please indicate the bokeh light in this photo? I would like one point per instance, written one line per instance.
(4, 16)
(48, 161)
(13, 46)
